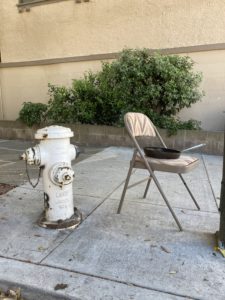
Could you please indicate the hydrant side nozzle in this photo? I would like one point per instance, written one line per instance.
(43, 154)
(32, 156)
(22, 156)
(74, 152)
(61, 174)
(77, 150)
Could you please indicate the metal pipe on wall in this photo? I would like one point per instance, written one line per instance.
(222, 204)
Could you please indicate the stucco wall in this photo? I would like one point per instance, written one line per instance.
(100, 26)
(210, 110)
(31, 83)
(67, 29)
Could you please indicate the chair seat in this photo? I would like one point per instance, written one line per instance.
(183, 164)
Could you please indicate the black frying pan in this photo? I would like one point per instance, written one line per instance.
(157, 152)
(166, 153)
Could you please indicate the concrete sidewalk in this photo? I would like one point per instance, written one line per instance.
(139, 254)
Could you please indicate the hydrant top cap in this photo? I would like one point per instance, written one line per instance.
(53, 132)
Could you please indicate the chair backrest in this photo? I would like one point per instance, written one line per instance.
(139, 124)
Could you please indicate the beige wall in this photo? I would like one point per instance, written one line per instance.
(31, 83)
(100, 26)
(210, 109)
(67, 29)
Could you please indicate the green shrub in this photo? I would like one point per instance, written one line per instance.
(156, 85)
(162, 84)
(173, 123)
(75, 104)
(86, 95)
(61, 105)
(33, 113)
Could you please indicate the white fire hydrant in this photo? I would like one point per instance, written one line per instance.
(54, 155)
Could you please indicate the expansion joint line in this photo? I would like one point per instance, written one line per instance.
(88, 215)
(130, 284)
(207, 174)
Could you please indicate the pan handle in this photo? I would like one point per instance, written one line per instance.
(194, 147)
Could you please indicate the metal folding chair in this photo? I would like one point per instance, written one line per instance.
(139, 125)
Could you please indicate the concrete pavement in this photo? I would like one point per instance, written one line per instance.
(139, 254)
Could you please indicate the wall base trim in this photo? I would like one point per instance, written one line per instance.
(96, 135)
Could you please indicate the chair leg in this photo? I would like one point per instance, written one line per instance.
(151, 173)
(190, 193)
(167, 202)
(147, 187)
(125, 188)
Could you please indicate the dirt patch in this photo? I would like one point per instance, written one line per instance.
(4, 188)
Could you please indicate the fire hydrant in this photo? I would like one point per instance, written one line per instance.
(53, 156)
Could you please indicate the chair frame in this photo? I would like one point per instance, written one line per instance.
(151, 177)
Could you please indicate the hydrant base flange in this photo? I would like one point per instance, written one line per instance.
(71, 223)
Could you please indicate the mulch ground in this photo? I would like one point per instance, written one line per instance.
(4, 188)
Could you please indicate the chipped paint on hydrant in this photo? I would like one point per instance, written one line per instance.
(54, 155)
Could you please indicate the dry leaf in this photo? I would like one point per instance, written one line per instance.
(165, 249)
(173, 272)
(41, 248)
(60, 286)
